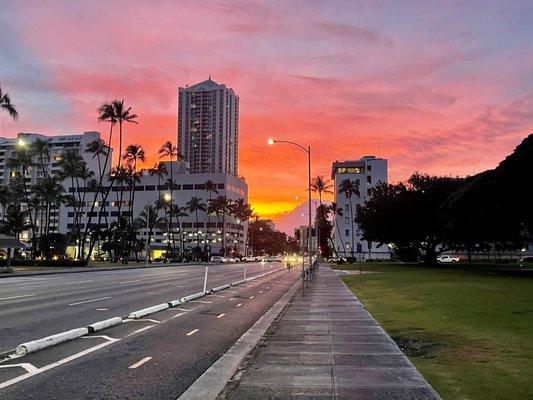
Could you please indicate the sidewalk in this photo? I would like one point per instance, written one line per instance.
(327, 346)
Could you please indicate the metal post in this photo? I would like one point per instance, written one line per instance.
(205, 279)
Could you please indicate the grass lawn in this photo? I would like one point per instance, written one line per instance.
(468, 331)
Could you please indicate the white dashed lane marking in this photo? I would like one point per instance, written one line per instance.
(221, 315)
(238, 305)
(192, 332)
(140, 362)
(89, 301)
(18, 297)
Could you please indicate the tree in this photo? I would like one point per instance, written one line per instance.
(210, 187)
(493, 208)
(407, 215)
(170, 151)
(320, 185)
(242, 212)
(15, 222)
(122, 114)
(149, 218)
(335, 212)
(6, 105)
(98, 149)
(40, 148)
(134, 153)
(264, 240)
(160, 170)
(194, 205)
(350, 190)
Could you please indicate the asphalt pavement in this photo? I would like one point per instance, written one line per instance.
(158, 356)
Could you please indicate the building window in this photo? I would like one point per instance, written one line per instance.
(346, 207)
(369, 179)
(347, 219)
(346, 232)
(369, 167)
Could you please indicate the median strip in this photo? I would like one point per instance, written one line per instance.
(48, 341)
(108, 323)
(149, 310)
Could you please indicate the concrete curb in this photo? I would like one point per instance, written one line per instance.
(147, 311)
(219, 288)
(48, 341)
(192, 297)
(209, 385)
(108, 323)
(35, 345)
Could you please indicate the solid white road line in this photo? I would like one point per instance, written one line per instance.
(217, 295)
(18, 297)
(123, 283)
(70, 283)
(238, 305)
(178, 315)
(101, 309)
(201, 301)
(221, 315)
(89, 301)
(139, 363)
(192, 332)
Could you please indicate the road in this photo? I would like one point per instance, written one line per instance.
(155, 357)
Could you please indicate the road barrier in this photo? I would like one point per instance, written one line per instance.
(219, 288)
(147, 311)
(108, 323)
(48, 341)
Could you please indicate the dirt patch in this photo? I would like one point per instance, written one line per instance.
(426, 348)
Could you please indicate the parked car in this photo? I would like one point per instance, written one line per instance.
(447, 259)
(231, 259)
(217, 260)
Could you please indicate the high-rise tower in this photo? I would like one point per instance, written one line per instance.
(208, 132)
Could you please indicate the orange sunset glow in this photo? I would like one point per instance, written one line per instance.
(432, 89)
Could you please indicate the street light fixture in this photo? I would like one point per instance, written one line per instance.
(307, 150)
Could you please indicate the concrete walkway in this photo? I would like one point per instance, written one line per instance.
(327, 346)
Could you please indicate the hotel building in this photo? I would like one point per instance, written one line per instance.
(366, 172)
(208, 131)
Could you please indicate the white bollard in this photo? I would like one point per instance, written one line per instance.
(205, 279)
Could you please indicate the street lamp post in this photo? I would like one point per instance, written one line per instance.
(309, 225)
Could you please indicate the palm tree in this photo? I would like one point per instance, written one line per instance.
(15, 222)
(21, 160)
(50, 191)
(121, 115)
(98, 149)
(159, 170)
(179, 212)
(40, 148)
(320, 185)
(134, 153)
(149, 218)
(242, 211)
(335, 212)
(5, 104)
(350, 189)
(194, 205)
(170, 151)
(211, 187)
(220, 206)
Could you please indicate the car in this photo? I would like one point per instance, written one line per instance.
(251, 259)
(527, 259)
(217, 260)
(231, 259)
(447, 259)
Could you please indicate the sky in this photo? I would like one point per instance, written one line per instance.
(436, 87)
